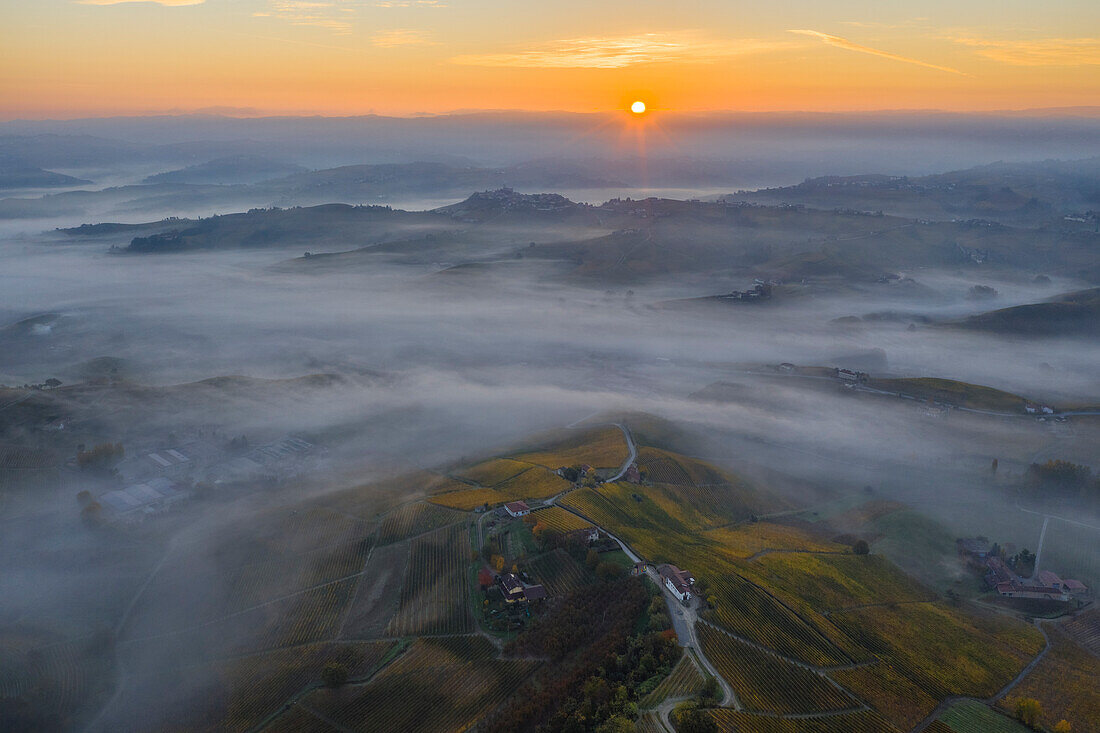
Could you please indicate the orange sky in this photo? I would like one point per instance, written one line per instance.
(64, 58)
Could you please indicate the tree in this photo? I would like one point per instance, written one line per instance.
(608, 570)
(592, 559)
(861, 547)
(498, 563)
(84, 497)
(92, 513)
(993, 467)
(334, 674)
(1029, 711)
(710, 693)
(1062, 726)
(53, 383)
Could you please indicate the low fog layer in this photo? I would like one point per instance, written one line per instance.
(390, 361)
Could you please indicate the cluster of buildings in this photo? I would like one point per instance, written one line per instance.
(138, 500)
(760, 291)
(999, 577)
(1034, 409)
(515, 590)
(850, 375)
(1045, 586)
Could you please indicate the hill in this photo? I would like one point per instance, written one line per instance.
(15, 173)
(1072, 314)
(228, 170)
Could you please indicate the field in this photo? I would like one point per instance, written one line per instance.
(62, 677)
(435, 597)
(970, 716)
(731, 721)
(413, 519)
(379, 592)
(599, 448)
(1066, 682)
(684, 680)
(559, 520)
(895, 697)
(558, 572)
(468, 499)
(942, 650)
(453, 682)
(765, 683)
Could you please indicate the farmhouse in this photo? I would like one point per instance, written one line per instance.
(152, 496)
(517, 508)
(678, 581)
(587, 535)
(1045, 586)
(511, 587)
(973, 546)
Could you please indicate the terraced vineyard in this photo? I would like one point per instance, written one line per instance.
(435, 596)
(970, 716)
(468, 499)
(298, 720)
(943, 650)
(559, 520)
(748, 611)
(893, 695)
(413, 519)
(558, 572)
(731, 721)
(766, 683)
(1067, 684)
(684, 680)
(453, 682)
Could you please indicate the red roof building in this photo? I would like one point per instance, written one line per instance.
(517, 508)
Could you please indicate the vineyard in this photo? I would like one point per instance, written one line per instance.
(258, 686)
(379, 592)
(496, 471)
(970, 716)
(413, 519)
(746, 540)
(453, 682)
(834, 582)
(558, 572)
(684, 680)
(894, 696)
(765, 683)
(468, 499)
(942, 650)
(435, 597)
(599, 448)
(63, 678)
(534, 483)
(261, 582)
(1067, 684)
(731, 721)
(559, 520)
(298, 720)
(1085, 630)
(748, 611)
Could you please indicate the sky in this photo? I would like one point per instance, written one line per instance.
(75, 58)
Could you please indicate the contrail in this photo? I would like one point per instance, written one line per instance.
(851, 46)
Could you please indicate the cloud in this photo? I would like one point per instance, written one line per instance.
(844, 43)
(617, 52)
(1038, 52)
(410, 4)
(330, 14)
(401, 37)
(166, 3)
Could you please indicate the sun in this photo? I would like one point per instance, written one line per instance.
(638, 107)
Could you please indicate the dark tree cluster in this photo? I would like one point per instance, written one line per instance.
(605, 656)
(1062, 478)
(101, 456)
